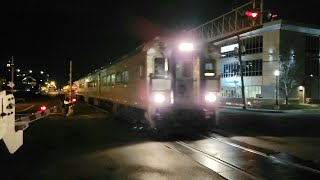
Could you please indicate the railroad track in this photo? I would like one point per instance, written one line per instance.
(245, 163)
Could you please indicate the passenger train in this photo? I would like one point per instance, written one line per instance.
(165, 80)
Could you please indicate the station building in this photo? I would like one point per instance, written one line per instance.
(290, 48)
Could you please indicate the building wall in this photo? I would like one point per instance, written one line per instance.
(281, 42)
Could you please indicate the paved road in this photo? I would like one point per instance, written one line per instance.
(94, 145)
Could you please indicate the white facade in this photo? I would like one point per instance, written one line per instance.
(266, 49)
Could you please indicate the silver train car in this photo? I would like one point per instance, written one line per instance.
(161, 81)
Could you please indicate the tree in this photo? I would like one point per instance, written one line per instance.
(290, 77)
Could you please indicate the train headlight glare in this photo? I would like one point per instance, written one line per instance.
(210, 97)
(186, 47)
(159, 98)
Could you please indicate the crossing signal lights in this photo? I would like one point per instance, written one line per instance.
(270, 16)
(251, 14)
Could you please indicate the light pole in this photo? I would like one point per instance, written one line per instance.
(277, 73)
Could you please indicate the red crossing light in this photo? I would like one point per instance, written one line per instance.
(43, 108)
(73, 100)
(251, 14)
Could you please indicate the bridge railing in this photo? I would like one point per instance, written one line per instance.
(229, 24)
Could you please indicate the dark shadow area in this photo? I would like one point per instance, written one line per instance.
(269, 124)
(60, 138)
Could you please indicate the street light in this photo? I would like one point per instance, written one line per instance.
(277, 73)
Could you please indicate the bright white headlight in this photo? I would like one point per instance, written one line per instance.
(159, 98)
(210, 97)
(186, 47)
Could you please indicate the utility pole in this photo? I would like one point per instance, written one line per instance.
(70, 80)
(12, 69)
(241, 73)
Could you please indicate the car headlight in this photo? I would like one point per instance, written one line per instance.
(159, 98)
(210, 97)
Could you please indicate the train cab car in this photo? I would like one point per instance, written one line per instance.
(166, 80)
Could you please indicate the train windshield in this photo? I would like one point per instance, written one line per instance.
(159, 66)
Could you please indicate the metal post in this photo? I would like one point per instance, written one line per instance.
(241, 75)
(12, 72)
(277, 79)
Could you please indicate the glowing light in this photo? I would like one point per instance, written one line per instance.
(30, 71)
(18, 70)
(41, 72)
(186, 47)
(73, 100)
(43, 108)
(251, 14)
(229, 48)
(159, 98)
(209, 74)
(276, 72)
(210, 97)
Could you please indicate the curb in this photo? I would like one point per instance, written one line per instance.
(239, 108)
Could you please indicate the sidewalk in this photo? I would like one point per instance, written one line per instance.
(253, 109)
(240, 108)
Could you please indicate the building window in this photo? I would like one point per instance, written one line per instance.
(253, 91)
(250, 68)
(252, 45)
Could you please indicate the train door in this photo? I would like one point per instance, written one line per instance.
(184, 83)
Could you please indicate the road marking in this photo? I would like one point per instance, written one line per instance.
(27, 108)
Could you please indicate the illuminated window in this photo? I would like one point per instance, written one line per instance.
(253, 91)
(125, 77)
(119, 78)
(250, 68)
(109, 80)
(113, 79)
(104, 80)
(252, 45)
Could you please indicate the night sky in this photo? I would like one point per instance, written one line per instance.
(46, 34)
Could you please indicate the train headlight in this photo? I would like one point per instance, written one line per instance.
(186, 47)
(210, 97)
(159, 98)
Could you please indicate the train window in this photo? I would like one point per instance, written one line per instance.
(104, 80)
(125, 77)
(159, 66)
(119, 78)
(109, 80)
(113, 79)
(208, 67)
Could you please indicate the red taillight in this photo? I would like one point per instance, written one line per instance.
(43, 108)
(73, 100)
